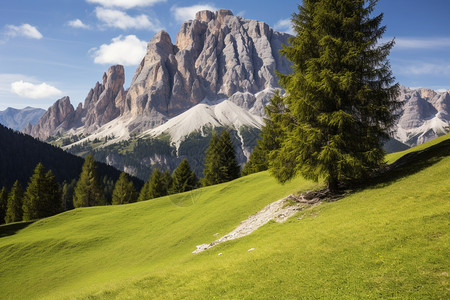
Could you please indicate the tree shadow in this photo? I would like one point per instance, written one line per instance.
(405, 166)
(11, 229)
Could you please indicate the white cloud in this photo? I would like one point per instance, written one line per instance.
(284, 25)
(422, 43)
(25, 30)
(126, 4)
(34, 91)
(77, 23)
(119, 19)
(127, 51)
(185, 13)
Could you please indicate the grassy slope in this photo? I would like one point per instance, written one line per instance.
(388, 240)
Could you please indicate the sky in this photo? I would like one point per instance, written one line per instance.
(55, 48)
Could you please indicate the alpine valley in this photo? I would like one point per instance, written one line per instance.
(219, 74)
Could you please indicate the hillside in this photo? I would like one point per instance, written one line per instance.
(20, 153)
(389, 240)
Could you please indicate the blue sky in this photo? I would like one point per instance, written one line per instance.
(54, 48)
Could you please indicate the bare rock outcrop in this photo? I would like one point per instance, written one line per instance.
(216, 56)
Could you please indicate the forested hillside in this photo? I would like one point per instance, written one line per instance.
(20, 153)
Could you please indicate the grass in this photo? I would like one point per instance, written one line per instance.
(389, 240)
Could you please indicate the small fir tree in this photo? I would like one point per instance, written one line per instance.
(3, 204)
(228, 162)
(67, 194)
(340, 98)
(212, 171)
(14, 207)
(124, 191)
(54, 196)
(157, 185)
(183, 178)
(144, 194)
(88, 191)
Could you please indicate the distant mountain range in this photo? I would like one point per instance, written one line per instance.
(18, 119)
(220, 73)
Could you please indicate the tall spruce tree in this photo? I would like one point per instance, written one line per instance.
(144, 194)
(53, 192)
(3, 204)
(183, 178)
(340, 98)
(271, 136)
(124, 191)
(88, 191)
(14, 207)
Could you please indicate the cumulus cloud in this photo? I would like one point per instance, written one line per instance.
(185, 13)
(126, 4)
(34, 91)
(77, 23)
(422, 43)
(284, 25)
(25, 30)
(128, 51)
(119, 19)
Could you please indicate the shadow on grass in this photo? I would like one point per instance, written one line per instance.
(407, 165)
(10, 229)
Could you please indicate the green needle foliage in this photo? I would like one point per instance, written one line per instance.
(88, 191)
(220, 160)
(143, 194)
(271, 136)
(42, 197)
(340, 98)
(14, 207)
(3, 204)
(124, 191)
(183, 178)
(157, 185)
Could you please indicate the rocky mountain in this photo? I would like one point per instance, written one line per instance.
(18, 119)
(101, 105)
(425, 115)
(219, 73)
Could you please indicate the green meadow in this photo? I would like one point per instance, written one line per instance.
(388, 239)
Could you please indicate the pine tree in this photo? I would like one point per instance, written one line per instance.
(3, 204)
(271, 136)
(183, 178)
(14, 207)
(67, 194)
(88, 191)
(157, 186)
(42, 198)
(212, 172)
(167, 180)
(54, 196)
(220, 160)
(228, 162)
(34, 194)
(340, 98)
(144, 194)
(124, 191)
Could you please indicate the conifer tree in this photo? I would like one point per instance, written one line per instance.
(67, 194)
(340, 98)
(157, 186)
(183, 178)
(88, 191)
(271, 136)
(228, 162)
(3, 204)
(14, 207)
(167, 180)
(54, 196)
(144, 194)
(212, 171)
(124, 191)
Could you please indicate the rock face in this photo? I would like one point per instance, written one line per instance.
(18, 119)
(102, 104)
(216, 56)
(424, 116)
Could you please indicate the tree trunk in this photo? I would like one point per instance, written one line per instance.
(332, 185)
